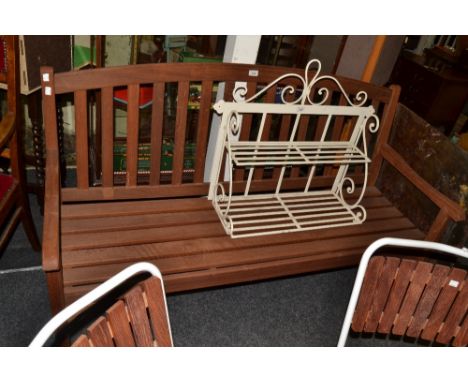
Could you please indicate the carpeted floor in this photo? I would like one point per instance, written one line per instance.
(297, 311)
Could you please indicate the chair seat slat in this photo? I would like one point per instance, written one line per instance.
(120, 324)
(157, 313)
(138, 317)
(381, 294)
(396, 295)
(419, 279)
(99, 334)
(442, 305)
(428, 300)
(455, 316)
(366, 297)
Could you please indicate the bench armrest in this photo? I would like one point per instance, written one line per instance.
(448, 208)
(51, 230)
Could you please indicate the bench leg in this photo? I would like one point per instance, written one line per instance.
(56, 294)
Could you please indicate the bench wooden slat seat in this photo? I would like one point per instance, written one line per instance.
(191, 249)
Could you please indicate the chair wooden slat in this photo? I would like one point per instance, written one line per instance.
(157, 116)
(396, 296)
(138, 317)
(99, 334)
(428, 300)
(442, 305)
(455, 316)
(132, 134)
(81, 133)
(81, 341)
(180, 132)
(202, 130)
(381, 294)
(366, 297)
(157, 311)
(120, 324)
(419, 279)
(107, 124)
(461, 339)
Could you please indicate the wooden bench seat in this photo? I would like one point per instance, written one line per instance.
(112, 218)
(185, 240)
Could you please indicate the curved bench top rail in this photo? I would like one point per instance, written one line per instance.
(174, 72)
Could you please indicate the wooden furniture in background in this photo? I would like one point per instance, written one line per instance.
(290, 51)
(437, 94)
(14, 202)
(93, 230)
(402, 295)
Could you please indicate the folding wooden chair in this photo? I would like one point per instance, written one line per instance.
(419, 299)
(138, 318)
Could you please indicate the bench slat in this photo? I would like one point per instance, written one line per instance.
(132, 134)
(157, 115)
(180, 131)
(107, 123)
(81, 134)
(202, 130)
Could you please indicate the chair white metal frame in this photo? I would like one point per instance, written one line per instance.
(88, 299)
(455, 285)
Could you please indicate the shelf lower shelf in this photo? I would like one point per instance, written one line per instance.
(294, 153)
(256, 215)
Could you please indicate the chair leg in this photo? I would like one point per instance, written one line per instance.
(28, 224)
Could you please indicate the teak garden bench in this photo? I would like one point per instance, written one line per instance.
(111, 219)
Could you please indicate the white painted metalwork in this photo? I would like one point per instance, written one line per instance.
(370, 251)
(250, 214)
(79, 305)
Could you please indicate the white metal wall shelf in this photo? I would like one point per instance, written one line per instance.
(250, 214)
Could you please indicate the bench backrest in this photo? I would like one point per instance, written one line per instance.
(173, 138)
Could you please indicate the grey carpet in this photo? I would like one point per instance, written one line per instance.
(24, 306)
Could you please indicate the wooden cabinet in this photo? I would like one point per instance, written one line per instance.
(438, 96)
